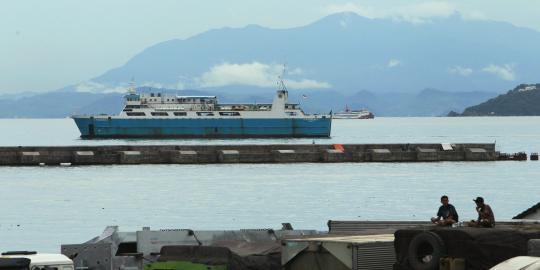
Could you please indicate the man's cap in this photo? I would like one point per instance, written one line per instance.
(478, 200)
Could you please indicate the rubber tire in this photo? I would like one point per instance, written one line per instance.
(533, 247)
(421, 239)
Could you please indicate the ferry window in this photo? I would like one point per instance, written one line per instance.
(291, 113)
(136, 114)
(229, 113)
(205, 114)
(159, 114)
(135, 106)
(180, 113)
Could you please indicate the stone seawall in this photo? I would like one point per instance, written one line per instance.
(271, 153)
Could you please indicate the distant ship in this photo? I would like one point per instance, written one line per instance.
(353, 114)
(159, 116)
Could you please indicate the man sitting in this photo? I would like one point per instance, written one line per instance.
(447, 214)
(486, 218)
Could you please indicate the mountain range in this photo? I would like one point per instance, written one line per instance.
(394, 68)
(429, 102)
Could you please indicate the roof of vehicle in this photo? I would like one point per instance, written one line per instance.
(520, 262)
(42, 258)
(355, 239)
(527, 212)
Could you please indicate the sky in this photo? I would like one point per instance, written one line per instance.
(47, 45)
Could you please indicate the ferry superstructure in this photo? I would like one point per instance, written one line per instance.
(353, 114)
(162, 116)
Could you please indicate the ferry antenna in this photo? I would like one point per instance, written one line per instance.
(131, 88)
(281, 83)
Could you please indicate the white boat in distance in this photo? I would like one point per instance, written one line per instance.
(353, 114)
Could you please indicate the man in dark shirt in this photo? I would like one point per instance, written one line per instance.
(447, 214)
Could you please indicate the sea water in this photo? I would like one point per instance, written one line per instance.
(43, 207)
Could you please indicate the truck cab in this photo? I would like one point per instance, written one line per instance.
(40, 261)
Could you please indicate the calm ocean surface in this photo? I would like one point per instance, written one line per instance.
(43, 207)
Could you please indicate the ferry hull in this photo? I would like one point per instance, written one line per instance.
(91, 127)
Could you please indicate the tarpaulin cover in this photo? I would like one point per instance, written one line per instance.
(211, 255)
(482, 248)
(14, 263)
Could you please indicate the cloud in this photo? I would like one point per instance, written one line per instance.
(153, 85)
(295, 71)
(178, 86)
(95, 87)
(88, 86)
(505, 72)
(415, 13)
(425, 11)
(473, 15)
(254, 74)
(459, 70)
(306, 84)
(394, 63)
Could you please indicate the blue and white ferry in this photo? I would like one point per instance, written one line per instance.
(162, 116)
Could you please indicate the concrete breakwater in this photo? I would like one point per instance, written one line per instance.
(273, 153)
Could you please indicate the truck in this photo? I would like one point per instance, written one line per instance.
(31, 260)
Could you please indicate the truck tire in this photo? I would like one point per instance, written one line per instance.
(534, 247)
(425, 251)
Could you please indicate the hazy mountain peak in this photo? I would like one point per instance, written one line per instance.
(341, 19)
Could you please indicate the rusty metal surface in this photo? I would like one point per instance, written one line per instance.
(371, 227)
(104, 253)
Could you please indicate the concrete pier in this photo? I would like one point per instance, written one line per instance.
(274, 153)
